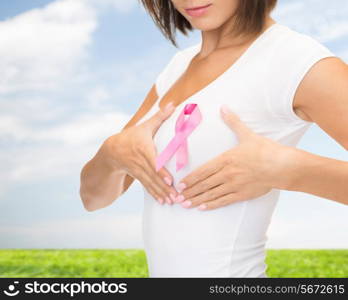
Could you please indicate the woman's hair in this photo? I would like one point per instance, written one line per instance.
(249, 17)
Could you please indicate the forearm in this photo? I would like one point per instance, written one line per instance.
(314, 174)
(101, 182)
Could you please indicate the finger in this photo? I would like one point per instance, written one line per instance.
(168, 179)
(222, 201)
(212, 194)
(204, 187)
(153, 193)
(169, 193)
(162, 173)
(145, 174)
(148, 183)
(234, 122)
(162, 189)
(157, 119)
(201, 173)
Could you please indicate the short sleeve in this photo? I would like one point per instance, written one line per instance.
(290, 65)
(166, 73)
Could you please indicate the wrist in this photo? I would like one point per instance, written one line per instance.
(288, 172)
(108, 158)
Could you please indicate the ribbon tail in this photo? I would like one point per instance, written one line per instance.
(168, 152)
(182, 156)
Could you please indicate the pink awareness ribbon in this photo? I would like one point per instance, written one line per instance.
(178, 143)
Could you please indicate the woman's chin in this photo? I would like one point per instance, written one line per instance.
(204, 25)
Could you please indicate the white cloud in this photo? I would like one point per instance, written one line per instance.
(57, 150)
(122, 6)
(40, 48)
(326, 21)
(43, 47)
(84, 129)
(97, 97)
(28, 109)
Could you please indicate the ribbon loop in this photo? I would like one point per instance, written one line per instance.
(178, 144)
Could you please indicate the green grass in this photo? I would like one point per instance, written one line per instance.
(132, 263)
(73, 263)
(307, 263)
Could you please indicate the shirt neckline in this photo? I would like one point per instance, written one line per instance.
(232, 67)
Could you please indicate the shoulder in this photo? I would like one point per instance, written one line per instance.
(293, 58)
(291, 44)
(319, 71)
(324, 83)
(322, 96)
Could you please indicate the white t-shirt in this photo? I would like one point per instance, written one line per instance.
(259, 87)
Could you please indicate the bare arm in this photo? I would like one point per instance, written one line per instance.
(101, 182)
(323, 97)
(317, 175)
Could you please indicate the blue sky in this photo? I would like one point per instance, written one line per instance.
(73, 72)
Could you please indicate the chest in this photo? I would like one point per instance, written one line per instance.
(197, 74)
(241, 89)
(213, 136)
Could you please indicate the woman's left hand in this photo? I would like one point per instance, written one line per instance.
(248, 170)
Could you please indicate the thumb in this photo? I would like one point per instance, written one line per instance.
(234, 122)
(160, 116)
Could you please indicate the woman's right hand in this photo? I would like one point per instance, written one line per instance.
(133, 151)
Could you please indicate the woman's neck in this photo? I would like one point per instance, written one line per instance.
(223, 38)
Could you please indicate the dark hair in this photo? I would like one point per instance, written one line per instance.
(249, 17)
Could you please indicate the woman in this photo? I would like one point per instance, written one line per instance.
(238, 160)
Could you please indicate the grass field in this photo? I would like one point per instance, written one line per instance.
(132, 263)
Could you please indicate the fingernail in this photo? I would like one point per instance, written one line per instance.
(160, 200)
(225, 109)
(180, 198)
(186, 203)
(172, 197)
(181, 186)
(168, 180)
(168, 106)
(170, 201)
(202, 206)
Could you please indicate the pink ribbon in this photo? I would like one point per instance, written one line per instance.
(178, 143)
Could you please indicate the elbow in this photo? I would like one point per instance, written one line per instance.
(84, 196)
(92, 202)
(87, 201)
(89, 207)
